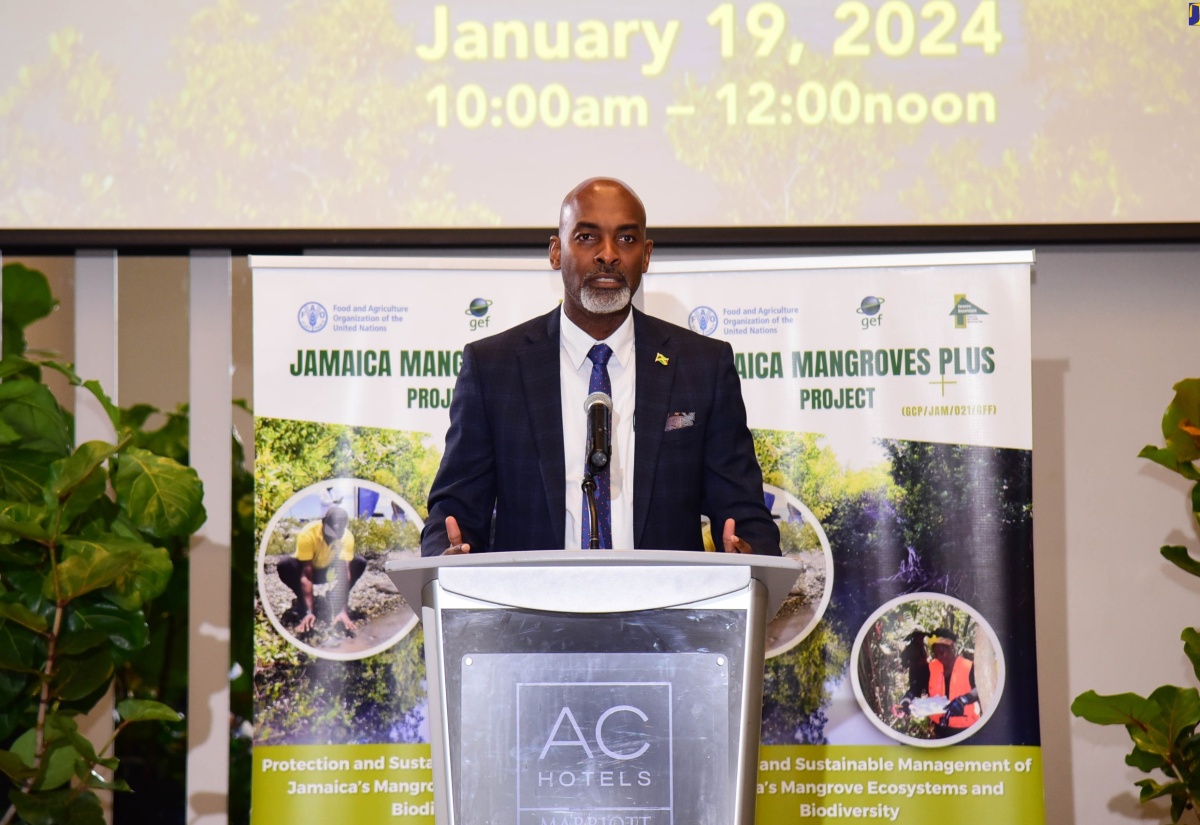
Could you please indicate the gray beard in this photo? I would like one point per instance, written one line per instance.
(604, 301)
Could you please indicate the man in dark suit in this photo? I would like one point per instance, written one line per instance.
(516, 441)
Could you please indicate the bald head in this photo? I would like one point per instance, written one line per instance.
(593, 187)
(602, 250)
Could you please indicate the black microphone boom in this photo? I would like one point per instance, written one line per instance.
(599, 412)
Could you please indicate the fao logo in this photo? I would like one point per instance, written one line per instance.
(703, 320)
(313, 317)
(1194, 14)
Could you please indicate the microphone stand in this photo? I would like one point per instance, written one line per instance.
(589, 493)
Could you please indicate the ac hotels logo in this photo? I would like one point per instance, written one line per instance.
(594, 754)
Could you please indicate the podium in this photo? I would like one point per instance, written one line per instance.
(594, 687)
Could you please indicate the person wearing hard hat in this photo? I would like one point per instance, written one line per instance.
(953, 677)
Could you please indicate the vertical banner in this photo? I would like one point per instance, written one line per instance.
(889, 398)
(354, 370)
(891, 410)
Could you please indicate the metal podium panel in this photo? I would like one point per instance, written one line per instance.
(594, 738)
(548, 713)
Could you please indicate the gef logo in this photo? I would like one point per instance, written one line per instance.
(1194, 14)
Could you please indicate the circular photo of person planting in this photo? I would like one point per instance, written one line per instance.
(321, 579)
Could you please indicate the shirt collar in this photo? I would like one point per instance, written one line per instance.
(578, 343)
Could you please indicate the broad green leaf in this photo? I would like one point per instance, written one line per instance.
(60, 807)
(27, 297)
(23, 473)
(110, 409)
(160, 496)
(14, 767)
(58, 762)
(62, 727)
(15, 524)
(68, 473)
(1180, 710)
(78, 676)
(145, 573)
(170, 440)
(78, 480)
(12, 685)
(124, 628)
(70, 643)
(134, 418)
(144, 710)
(22, 615)
(8, 435)
(20, 554)
(130, 570)
(21, 649)
(1179, 804)
(1144, 761)
(16, 716)
(1179, 557)
(1166, 457)
(11, 365)
(1117, 709)
(31, 409)
(94, 780)
(85, 566)
(1191, 646)
(1153, 790)
(65, 369)
(27, 584)
(1181, 421)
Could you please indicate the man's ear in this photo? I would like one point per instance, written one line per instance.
(555, 252)
(646, 256)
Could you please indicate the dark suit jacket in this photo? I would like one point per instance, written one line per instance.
(504, 446)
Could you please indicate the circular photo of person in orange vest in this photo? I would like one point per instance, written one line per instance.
(927, 670)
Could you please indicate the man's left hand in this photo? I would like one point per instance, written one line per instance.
(732, 543)
(955, 708)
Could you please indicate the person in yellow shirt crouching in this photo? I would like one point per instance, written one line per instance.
(321, 547)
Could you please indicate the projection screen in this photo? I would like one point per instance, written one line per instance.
(464, 113)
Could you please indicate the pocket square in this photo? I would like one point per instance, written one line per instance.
(679, 420)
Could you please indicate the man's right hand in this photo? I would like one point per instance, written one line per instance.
(306, 624)
(454, 536)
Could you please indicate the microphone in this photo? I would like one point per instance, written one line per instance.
(599, 412)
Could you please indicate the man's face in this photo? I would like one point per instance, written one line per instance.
(943, 652)
(601, 250)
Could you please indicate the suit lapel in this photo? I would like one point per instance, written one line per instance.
(653, 393)
(539, 363)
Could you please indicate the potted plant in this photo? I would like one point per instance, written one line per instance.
(1163, 724)
(83, 529)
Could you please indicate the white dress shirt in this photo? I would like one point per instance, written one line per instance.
(575, 372)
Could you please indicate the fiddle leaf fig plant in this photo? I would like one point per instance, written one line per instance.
(1163, 725)
(81, 534)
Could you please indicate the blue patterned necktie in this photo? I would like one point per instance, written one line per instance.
(599, 355)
